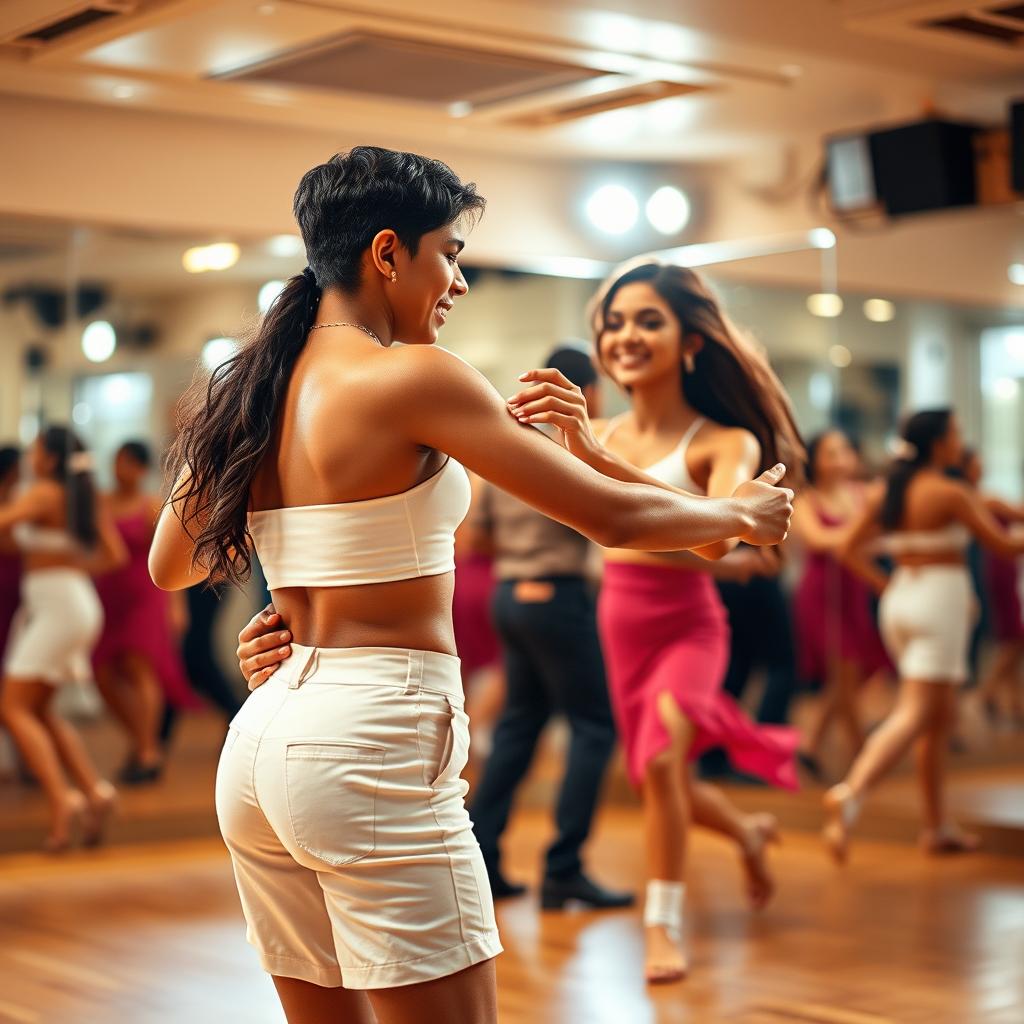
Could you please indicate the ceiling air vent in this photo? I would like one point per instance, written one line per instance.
(615, 99)
(418, 70)
(31, 26)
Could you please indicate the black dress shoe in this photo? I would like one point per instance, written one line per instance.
(556, 892)
(502, 888)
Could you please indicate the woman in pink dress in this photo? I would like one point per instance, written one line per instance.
(838, 643)
(137, 663)
(707, 413)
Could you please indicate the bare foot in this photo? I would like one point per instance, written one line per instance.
(66, 822)
(841, 807)
(665, 960)
(949, 839)
(760, 829)
(102, 804)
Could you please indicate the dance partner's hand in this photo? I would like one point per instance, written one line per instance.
(770, 507)
(262, 646)
(552, 398)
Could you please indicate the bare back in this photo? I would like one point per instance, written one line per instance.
(321, 457)
(932, 504)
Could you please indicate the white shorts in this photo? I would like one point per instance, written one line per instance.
(57, 624)
(339, 798)
(926, 616)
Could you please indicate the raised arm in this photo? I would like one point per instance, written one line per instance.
(448, 405)
(970, 508)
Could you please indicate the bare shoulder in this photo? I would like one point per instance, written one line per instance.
(731, 442)
(426, 376)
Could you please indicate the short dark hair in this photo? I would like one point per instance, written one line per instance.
(575, 363)
(139, 451)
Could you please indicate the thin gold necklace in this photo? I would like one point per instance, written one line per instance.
(345, 323)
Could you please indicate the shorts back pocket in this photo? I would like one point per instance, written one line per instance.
(332, 796)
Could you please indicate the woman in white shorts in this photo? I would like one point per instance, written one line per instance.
(925, 520)
(333, 453)
(62, 533)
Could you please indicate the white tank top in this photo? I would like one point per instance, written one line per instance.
(671, 469)
(379, 540)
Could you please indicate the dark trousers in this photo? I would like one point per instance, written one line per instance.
(204, 673)
(762, 637)
(553, 665)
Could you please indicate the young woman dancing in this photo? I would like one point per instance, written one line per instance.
(706, 413)
(62, 533)
(839, 645)
(926, 615)
(333, 453)
(137, 664)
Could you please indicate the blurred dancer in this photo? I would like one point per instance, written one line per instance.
(137, 664)
(1000, 691)
(544, 612)
(838, 642)
(927, 613)
(707, 412)
(333, 452)
(61, 531)
(10, 559)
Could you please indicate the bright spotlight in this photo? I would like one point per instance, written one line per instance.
(1006, 389)
(218, 256)
(879, 311)
(826, 304)
(840, 355)
(268, 293)
(218, 351)
(99, 341)
(668, 210)
(1015, 272)
(286, 246)
(613, 209)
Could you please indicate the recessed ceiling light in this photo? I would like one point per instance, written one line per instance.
(99, 341)
(879, 311)
(824, 304)
(218, 351)
(267, 293)
(840, 355)
(218, 256)
(613, 209)
(286, 245)
(668, 210)
(123, 92)
(460, 109)
(1015, 272)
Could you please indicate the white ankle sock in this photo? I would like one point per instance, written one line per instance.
(664, 906)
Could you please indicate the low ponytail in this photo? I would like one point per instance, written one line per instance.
(228, 424)
(74, 470)
(919, 436)
(226, 428)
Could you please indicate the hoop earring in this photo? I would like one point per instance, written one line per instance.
(688, 363)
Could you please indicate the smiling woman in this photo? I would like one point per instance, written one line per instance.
(333, 453)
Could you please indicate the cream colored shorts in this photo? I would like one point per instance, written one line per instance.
(927, 614)
(339, 798)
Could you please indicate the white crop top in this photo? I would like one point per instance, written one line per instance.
(953, 538)
(50, 540)
(379, 540)
(672, 469)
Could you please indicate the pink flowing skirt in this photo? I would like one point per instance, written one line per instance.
(666, 630)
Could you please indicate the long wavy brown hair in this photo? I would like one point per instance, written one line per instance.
(732, 382)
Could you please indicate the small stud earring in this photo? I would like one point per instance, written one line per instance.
(688, 362)
(394, 276)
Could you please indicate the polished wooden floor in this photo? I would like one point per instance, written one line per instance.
(152, 934)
